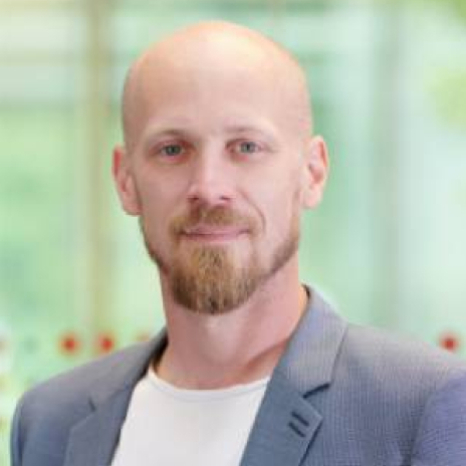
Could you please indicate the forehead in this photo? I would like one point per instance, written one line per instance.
(226, 96)
(224, 79)
(201, 71)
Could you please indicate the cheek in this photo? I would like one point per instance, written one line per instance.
(278, 211)
(154, 193)
(154, 212)
(289, 211)
(278, 195)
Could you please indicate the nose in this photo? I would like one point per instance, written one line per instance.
(211, 180)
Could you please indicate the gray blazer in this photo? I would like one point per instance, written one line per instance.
(341, 395)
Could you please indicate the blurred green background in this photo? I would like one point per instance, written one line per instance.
(387, 246)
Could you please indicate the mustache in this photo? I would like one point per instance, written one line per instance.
(212, 216)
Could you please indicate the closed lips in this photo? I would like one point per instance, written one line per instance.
(213, 232)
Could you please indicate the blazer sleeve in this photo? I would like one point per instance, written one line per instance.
(441, 437)
(15, 441)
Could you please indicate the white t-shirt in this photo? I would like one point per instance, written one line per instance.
(170, 426)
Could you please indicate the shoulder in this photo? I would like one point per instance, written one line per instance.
(411, 392)
(418, 389)
(46, 413)
(66, 398)
(118, 367)
(402, 372)
(398, 358)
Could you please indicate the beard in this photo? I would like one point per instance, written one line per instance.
(207, 279)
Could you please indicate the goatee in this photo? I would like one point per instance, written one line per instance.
(207, 279)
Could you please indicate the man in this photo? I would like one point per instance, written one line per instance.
(253, 368)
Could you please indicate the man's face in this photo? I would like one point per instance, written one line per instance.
(216, 177)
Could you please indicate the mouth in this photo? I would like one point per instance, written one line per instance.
(213, 234)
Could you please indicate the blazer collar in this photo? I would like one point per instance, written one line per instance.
(308, 362)
(123, 374)
(287, 422)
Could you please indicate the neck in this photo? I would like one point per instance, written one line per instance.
(241, 346)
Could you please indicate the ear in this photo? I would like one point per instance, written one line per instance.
(315, 172)
(124, 182)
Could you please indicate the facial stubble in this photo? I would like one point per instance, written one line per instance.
(208, 279)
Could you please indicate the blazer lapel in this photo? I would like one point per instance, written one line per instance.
(287, 423)
(284, 428)
(93, 439)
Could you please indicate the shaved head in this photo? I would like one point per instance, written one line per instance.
(219, 160)
(208, 52)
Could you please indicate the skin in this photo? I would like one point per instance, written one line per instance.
(217, 116)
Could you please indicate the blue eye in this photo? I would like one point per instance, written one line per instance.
(248, 147)
(172, 150)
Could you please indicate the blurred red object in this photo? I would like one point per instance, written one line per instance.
(69, 343)
(105, 343)
(450, 342)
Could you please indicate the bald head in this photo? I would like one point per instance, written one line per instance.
(199, 58)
